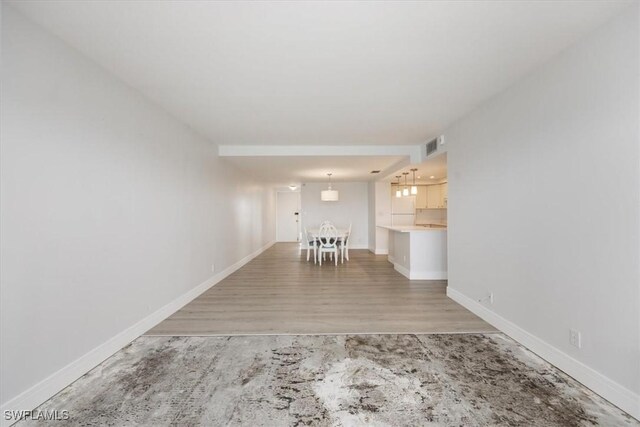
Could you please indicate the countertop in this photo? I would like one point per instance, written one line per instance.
(412, 228)
(434, 223)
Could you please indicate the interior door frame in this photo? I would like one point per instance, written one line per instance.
(299, 229)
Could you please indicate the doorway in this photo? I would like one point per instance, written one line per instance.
(287, 216)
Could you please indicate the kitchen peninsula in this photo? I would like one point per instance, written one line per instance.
(419, 252)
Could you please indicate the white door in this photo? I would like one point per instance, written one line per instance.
(287, 217)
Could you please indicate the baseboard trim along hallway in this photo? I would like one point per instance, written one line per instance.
(600, 384)
(47, 388)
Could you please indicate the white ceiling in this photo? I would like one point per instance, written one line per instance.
(319, 72)
(286, 170)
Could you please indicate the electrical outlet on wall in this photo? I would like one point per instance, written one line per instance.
(575, 338)
(213, 268)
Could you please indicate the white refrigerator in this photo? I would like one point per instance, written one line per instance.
(403, 210)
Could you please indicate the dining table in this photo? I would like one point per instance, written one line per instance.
(342, 234)
(315, 232)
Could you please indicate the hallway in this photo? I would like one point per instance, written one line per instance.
(279, 292)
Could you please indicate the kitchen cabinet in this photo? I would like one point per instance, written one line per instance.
(421, 197)
(418, 253)
(432, 196)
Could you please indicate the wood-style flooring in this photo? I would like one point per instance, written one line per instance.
(279, 292)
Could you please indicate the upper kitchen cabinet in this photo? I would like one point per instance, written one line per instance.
(421, 197)
(443, 194)
(432, 196)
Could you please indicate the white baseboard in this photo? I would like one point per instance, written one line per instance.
(358, 246)
(47, 388)
(420, 275)
(615, 393)
(401, 269)
(380, 251)
(428, 275)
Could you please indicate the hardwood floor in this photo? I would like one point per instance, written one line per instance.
(279, 292)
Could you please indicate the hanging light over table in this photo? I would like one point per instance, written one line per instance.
(398, 192)
(405, 190)
(414, 187)
(329, 195)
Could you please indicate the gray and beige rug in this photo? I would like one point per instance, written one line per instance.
(352, 380)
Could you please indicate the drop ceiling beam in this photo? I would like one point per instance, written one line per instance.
(413, 152)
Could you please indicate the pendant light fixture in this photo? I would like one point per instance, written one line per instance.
(414, 187)
(405, 190)
(398, 192)
(329, 195)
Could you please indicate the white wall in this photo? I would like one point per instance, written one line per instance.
(353, 207)
(544, 205)
(110, 207)
(383, 216)
(371, 215)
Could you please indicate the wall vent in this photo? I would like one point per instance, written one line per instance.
(432, 146)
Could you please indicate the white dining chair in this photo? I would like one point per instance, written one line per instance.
(327, 242)
(344, 244)
(311, 243)
(326, 221)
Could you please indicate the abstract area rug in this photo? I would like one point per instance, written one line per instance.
(352, 380)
